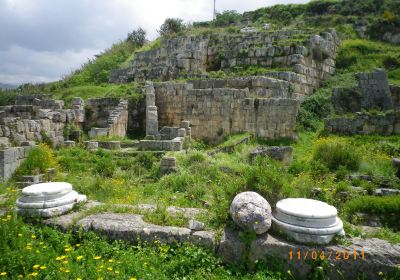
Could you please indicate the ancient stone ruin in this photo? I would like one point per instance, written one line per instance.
(168, 138)
(307, 220)
(373, 107)
(266, 105)
(48, 200)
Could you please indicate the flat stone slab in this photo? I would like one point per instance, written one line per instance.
(132, 228)
(306, 208)
(66, 222)
(47, 189)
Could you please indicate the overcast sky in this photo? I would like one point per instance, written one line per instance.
(43, 40)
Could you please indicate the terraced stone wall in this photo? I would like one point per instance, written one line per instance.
(217, 112)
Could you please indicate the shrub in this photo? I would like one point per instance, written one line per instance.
(7, 97)
(145, 160)
(345, 60)
(334, 153)
(104, 164)
(227, 18)
(170, 26)
(137, 37)
(38, 161)
(388, 208)
(313, 110)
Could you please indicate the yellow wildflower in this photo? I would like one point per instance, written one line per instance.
(20, 276)
(97, 257)
(65, 262)
(67, 271)
(34, 274)
(111, 261)
(36, 266)
(19, 235)
(109, 268)
(132, 278)
(67, 249)
(60, 258)
(43, 267)
(3, 274)
(78, 258)
(77, 245)
(78, 278)
(33, 236)
(41, 243)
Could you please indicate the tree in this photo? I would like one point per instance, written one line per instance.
(137, 37)
(170, 26)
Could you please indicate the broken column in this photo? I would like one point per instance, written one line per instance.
(151, 112)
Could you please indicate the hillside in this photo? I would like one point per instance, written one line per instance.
(289, 101)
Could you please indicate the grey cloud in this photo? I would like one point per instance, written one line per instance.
(42, 40)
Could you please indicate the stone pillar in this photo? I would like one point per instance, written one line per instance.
(151, 112)
(167, 165)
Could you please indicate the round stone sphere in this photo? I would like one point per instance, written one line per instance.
(251, 212)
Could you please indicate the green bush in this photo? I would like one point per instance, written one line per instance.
(38, 161)
(387, 207)
(137, 37)
(345, 59)
(171, 26)
(104, 165)
(314, 109)
(7, 97)
(227, 18)
(335, 153)
(145, 160)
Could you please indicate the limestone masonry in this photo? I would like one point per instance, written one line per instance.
(266, 105)
(373, 107)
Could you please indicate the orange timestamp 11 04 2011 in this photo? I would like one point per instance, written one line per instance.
(338, 255)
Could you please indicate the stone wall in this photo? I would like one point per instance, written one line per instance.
(217, 112)
(108, 115)
(33, 119)
(312, 57)
(365, 124)
(10, 159)
(373, 107)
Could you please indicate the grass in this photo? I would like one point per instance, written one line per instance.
(44, 253)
